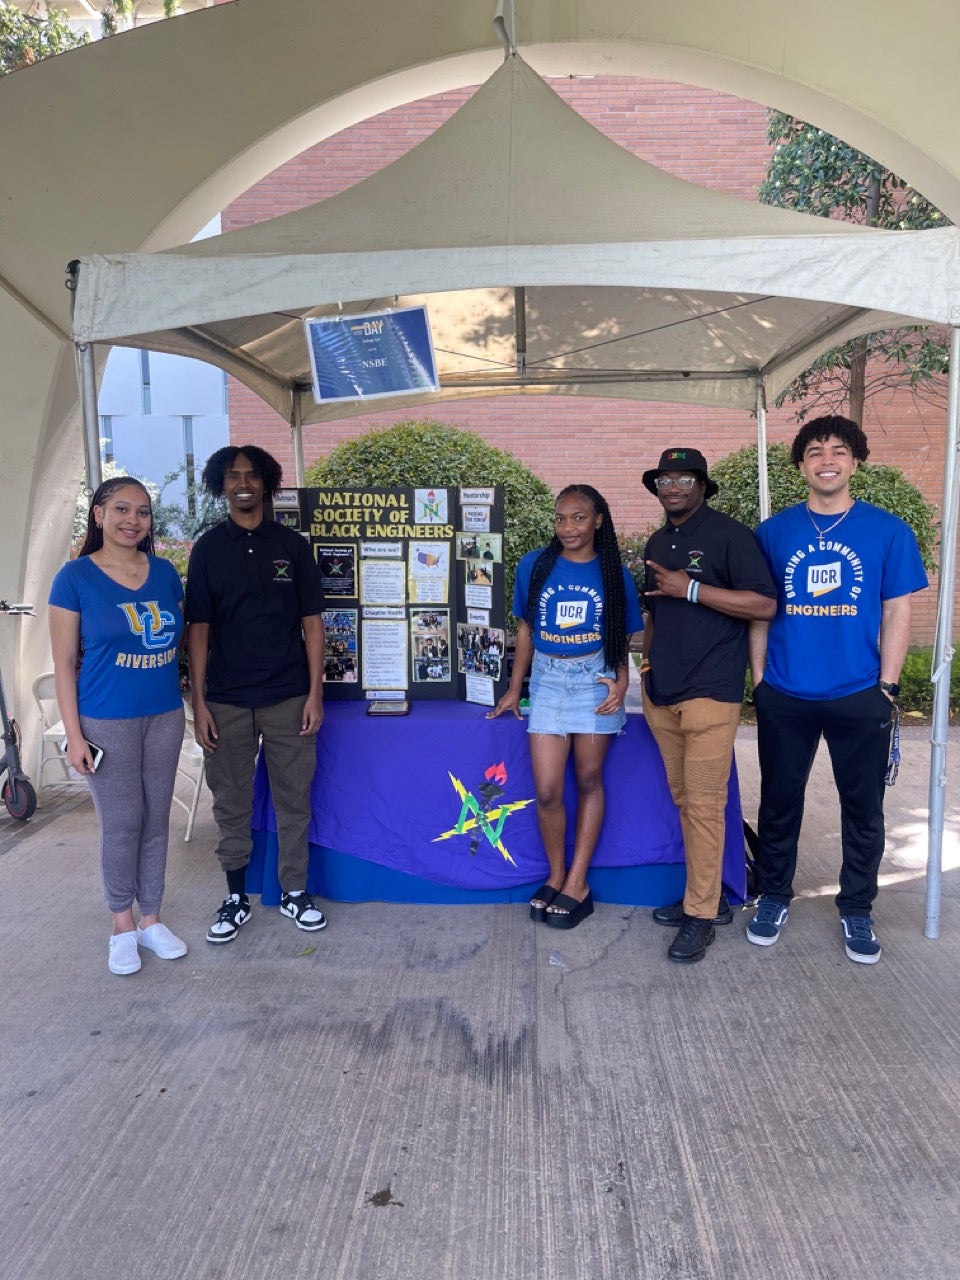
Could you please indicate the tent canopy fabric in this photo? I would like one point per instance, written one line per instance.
(627, 281)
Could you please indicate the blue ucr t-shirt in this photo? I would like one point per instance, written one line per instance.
(824, 641)
(128, 639)
(570, 608)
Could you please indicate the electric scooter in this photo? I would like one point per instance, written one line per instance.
(17, 792)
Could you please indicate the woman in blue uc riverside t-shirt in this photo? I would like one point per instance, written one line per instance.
(578, 606)
(116, 617)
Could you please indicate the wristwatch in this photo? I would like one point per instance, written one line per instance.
(892, 690)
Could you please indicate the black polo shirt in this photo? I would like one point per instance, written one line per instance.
(253, 587)
(696, 651)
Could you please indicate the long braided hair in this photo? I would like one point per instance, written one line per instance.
(613, 621)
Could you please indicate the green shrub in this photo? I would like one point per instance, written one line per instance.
(631, 553)
(424, 453)
(916, 687)
(886, 487)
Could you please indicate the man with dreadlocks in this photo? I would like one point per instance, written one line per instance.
(255, 608)
(578, 608)
(706, 581)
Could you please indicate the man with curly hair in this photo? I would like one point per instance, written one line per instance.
(827, 666)
(254, 605)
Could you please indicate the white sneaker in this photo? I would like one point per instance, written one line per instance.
(124, 956)
(158, 939)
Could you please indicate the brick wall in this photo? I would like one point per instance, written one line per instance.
(705, 137)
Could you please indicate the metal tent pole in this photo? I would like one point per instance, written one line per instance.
(763, 475)
(87, 377)
(942, 646)
(296, 427)
(87, 382)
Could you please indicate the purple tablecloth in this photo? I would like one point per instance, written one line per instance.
(446, 796)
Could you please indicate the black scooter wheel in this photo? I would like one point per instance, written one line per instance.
(20, 799)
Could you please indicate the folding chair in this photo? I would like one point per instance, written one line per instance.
(192, 766)
(51, 733)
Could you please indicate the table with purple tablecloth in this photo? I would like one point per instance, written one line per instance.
(438, 806)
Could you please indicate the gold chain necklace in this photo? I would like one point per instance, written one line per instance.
(822, 533)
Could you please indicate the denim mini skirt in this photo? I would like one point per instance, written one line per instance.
(565, 693)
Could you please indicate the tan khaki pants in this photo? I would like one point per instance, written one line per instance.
(696, 741)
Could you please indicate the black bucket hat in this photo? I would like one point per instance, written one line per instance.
(681, 460)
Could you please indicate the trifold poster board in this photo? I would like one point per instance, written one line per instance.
(414, 587)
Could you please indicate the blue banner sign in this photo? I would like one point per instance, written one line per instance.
(366, 357)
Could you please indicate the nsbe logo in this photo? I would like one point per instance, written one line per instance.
(152, 624)
(822, 578)
(571, 613)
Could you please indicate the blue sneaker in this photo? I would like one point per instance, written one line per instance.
(771, 916)
(859, 939)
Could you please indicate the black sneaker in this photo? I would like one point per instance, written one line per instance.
(303, 911)
(692, 940)
(234, 911)
(673, 914)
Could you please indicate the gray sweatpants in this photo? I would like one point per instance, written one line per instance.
(132, 791)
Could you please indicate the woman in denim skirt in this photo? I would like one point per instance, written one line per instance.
(579, 607)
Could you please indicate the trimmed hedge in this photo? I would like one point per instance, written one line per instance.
(423, 453)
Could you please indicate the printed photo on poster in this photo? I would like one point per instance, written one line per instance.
(479, 573)
(430, 644)
(467, 546)
(480, 651)
(428, 572)
(384, 657)
(491, 547)
(289, 520)
(382, 582)
(338, 569)
(480, 546)
(340, 646)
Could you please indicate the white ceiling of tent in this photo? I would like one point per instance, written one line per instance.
(627, 281)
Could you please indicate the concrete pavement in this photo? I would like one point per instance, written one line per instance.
(420, 1092)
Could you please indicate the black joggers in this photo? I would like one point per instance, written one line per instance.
(857, 732)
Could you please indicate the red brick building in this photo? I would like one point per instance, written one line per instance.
(698, 134)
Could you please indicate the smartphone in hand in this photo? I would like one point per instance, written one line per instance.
(96, 753)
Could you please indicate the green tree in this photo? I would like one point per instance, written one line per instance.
(814, 172)
(28, 38)
(430, 453)
(185, 521)
(886, 487)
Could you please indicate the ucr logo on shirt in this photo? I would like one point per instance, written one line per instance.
(822, 578)
(571, 613)
(151, 623)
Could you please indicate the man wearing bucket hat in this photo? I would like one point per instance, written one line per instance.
(706, 581)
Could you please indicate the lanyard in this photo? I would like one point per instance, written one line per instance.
(893, 759)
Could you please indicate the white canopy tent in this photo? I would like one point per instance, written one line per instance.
(550, 259)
